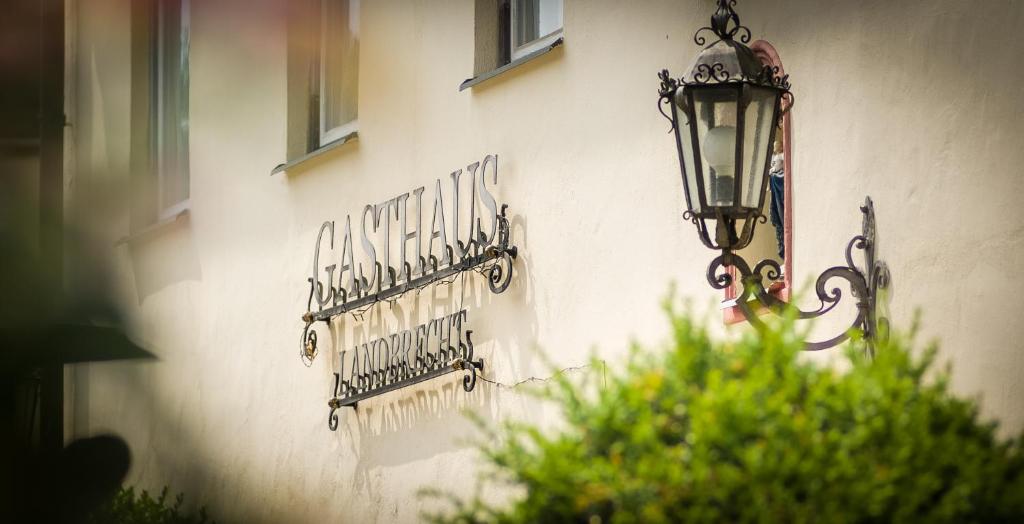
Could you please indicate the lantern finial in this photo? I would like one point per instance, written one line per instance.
(725, 23)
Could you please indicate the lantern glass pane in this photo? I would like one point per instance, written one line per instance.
(757, 143)
(715, 112)
(684, 135)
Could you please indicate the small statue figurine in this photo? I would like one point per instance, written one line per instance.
(776, 184)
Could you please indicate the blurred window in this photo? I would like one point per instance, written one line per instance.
(339, 69)
(169, 84)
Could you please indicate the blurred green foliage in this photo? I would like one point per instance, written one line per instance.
(127, 507)
(745, 431)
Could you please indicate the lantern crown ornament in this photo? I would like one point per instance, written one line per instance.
(724, 112)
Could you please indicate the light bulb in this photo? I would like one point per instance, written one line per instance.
(720, 146)
(720, 152)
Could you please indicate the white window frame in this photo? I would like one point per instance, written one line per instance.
(159, 93)
(338, 132)
(536, 44)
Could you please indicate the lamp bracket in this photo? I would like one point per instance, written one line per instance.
(865, 282)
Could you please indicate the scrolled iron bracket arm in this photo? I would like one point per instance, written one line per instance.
(864, 282)
(499, 275)
(332, 417)
(308, 342)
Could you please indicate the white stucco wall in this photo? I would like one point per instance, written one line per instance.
(914, 103)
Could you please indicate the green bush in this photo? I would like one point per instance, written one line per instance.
(128, 508)
(744, 431)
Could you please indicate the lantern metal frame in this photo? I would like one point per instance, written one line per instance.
(727, 63)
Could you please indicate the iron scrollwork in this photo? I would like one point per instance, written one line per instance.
(499, 274)
(710, 69)
(665, 94)
(725, 24)
(494, 261)
(348, 393)
(335, 405)
(704, 74)
(865, 282)
(494, 258)
(716, 73)
(308, 341)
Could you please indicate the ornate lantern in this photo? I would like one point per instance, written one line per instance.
(724, 113)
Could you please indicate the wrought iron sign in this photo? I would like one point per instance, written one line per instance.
(432, 349)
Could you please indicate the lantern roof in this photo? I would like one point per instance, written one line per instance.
(725, 61)
(728, 59)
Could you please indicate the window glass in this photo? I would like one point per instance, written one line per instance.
(715, 110)
(169, 101)
(534, 24)
(758, 131)
(685, 132)
(339, 68)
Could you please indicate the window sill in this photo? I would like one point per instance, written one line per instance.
(483, 77)
(315, 153)
(154, 229)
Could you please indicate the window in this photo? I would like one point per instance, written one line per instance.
(510, 32)
(534, 25)
(339, 69)
(775, 238)
(168, 97)
(323, 78)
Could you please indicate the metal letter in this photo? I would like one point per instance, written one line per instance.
(462, 249)
(341, 369)
(488, 201)
(444, 334)
(457, 320)
(354, 376)
(394, 359)
(341, 373)
(367, 283)
(385, 208)
(459, 252)
(369, 367)
(403, 220)
(383, 351)
(406, 346)
(438, 232)
(472, 205)
(348, 260)
(421, 342)
(318, 286)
